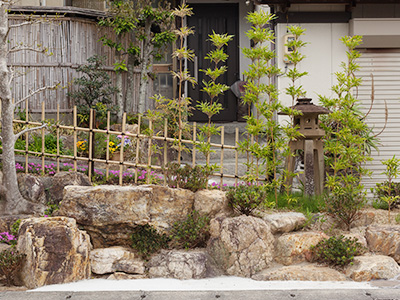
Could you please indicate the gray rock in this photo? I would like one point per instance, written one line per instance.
(366, 268)
(181, 264)
(54, 185)
(124, 276)
(292, 248)
(32, 188)
(285, 222)
(115, 259)
(56, 251)
(108, 213)
(385, 240)
(212, 203)
(242, 246)
(301, 273)
(169, 205)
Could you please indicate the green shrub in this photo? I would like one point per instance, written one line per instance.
(246, 198)
(187, 177)
(383, 190)
(146, 240)
(337, 251)
(50, 144)
(10, 265)
(345, 206)
(190, 233)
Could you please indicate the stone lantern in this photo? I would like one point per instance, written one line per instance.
(311, 145)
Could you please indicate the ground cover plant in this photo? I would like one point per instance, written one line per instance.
(190, 233)
(146, 240)
(337, 251)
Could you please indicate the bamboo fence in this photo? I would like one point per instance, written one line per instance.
(139, 162)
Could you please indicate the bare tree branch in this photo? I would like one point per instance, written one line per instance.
(53, 87)
(17, 49)
(28, 130)
(12, 73)
(29, 22)
(386, 120)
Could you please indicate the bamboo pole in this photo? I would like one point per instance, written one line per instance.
(90, 144)
(26, 138)
(43, 144)
(137, 149)
(75, 138)
(236, 155)
(108, 145)
(121, 153)
(165, 148)
(222, 157)
(149, 152)
(58, 137)
(194, 145)
(179, 144)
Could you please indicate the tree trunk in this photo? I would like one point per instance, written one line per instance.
(12, 200)
(145, 67)
(118, 83)
(130, 90)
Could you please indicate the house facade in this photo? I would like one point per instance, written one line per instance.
(325, 22)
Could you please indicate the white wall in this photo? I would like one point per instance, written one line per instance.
(324, 53)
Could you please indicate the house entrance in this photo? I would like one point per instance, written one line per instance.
(220, 18)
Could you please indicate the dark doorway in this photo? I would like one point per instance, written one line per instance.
(222, 18)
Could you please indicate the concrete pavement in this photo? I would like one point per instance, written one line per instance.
(373, 294)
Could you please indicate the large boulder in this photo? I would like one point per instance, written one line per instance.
(242, 246)
(212, 203)
(169, 205)
(54, 185)
(285, 222)
(181, 264)
(56, 251)
(292, 248)
(32, 188)
(301, 273)
(385, 240)
(110, 213)
(116, 259)
(371, 267)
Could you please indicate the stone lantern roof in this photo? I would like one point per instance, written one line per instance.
(306, 107)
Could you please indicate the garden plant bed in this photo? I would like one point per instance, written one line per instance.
(275, 243)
